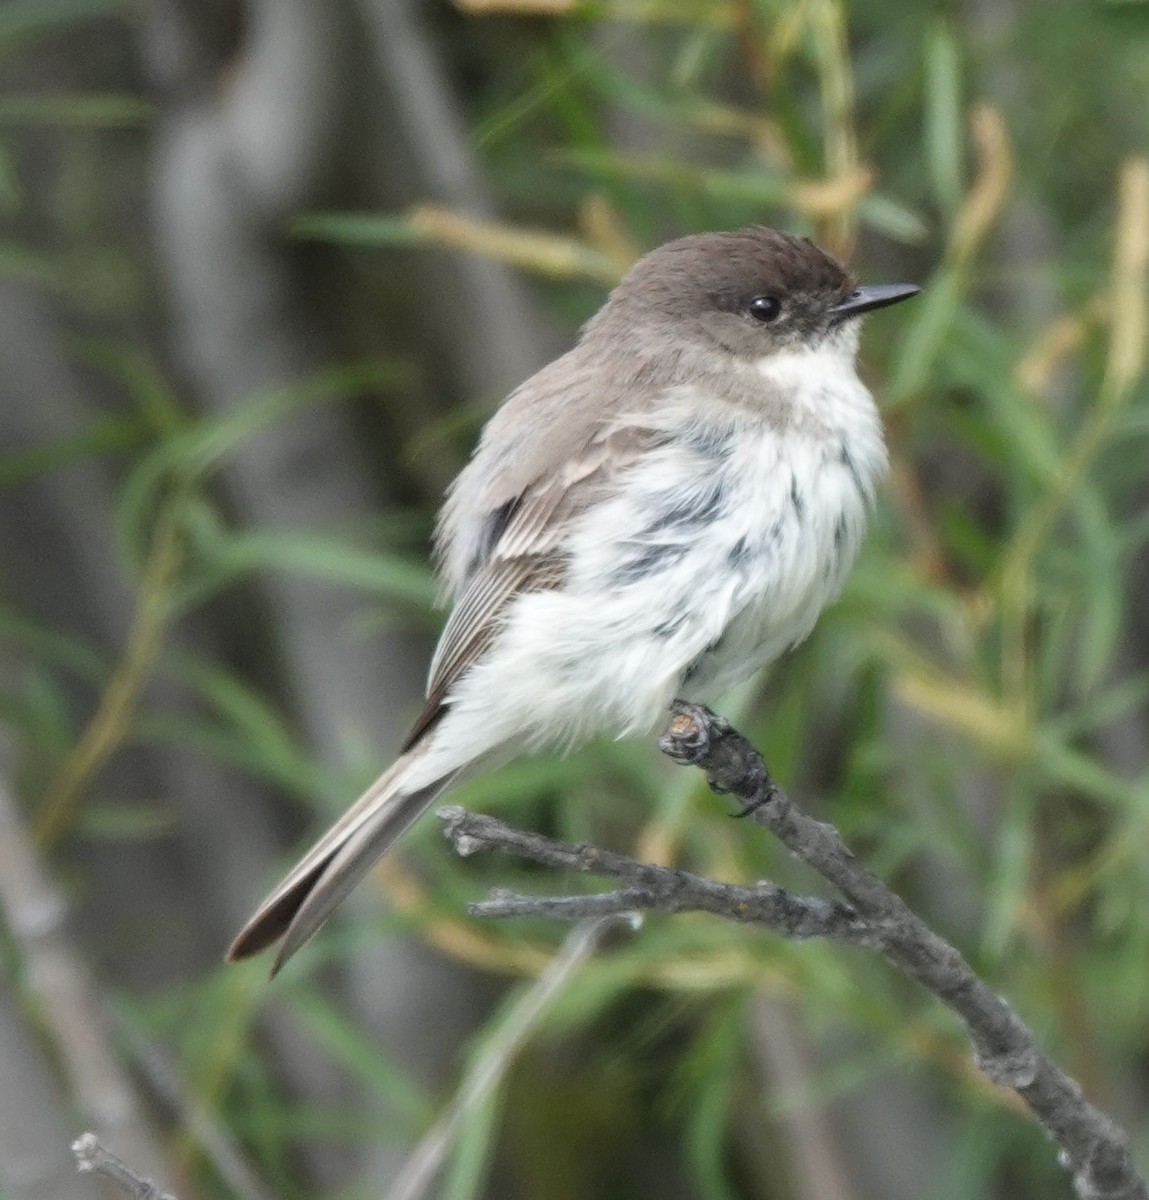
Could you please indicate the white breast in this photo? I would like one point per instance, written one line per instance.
(716, 553)
(803, 493)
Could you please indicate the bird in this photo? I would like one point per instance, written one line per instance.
(658, 513)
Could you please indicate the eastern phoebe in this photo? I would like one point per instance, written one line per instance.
(661, 511)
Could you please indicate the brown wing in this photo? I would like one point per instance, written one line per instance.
(524, 553)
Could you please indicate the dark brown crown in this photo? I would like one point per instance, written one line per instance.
(678, 288)
(732, 266)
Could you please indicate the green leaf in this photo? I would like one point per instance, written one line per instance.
(1098, 569)
(238, 555)
(758, 184)
(11, 188)
(29, 266)
(1100, 709)
(924, 334)
(108, 110)
(122, 822)
(1013, 858)
(359, 1055)
(892, 218)
(20, 19)
(104, 436)
(474, 1148)
(717, 1055)
(1077, 771)
(58, 649)
(41, 708)
(247, 731)
(149, 389)
(944, 134)
(193, 454)
(299, 777)
(357, 229)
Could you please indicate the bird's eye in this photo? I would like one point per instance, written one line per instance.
(764, 308)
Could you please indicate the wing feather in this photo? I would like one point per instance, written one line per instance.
(523, 540)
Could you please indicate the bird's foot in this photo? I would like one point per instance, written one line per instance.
(692, 733)
(698, 737)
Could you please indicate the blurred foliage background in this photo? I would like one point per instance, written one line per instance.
(265, 266)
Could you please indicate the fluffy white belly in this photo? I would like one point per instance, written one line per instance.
(716, 553)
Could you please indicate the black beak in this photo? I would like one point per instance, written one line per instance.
(864, 299)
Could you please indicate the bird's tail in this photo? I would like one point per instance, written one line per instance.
(325, 875)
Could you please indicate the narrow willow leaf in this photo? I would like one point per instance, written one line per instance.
(474, 1148)
(11, 187)
(91, 109)
(890, 217)
(758, 184)
(1100, 575)
(296, 776)
(1009, 884)
(1076, 770)
(944, 132)
(54, 647)
(318, 557)
(248, 728)
(202, 448)
(357, 229)
(151, 391)
(106, 435)
(29, 266)
(1100, 708)
(121, 822)
(923, 337)
(717, 1060)
(21, 19)
(359, 1055)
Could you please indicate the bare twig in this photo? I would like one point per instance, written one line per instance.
(92, 1155)
(1093, 1149)
(661, 889)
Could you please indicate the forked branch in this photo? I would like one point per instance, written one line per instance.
(1092, 1148)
